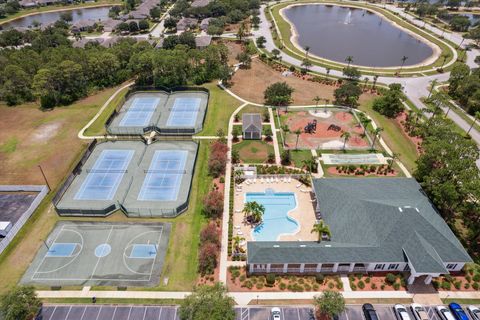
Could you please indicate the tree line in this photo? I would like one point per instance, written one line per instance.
(464, 86)
(51, 71)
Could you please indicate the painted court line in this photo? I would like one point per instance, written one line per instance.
(45, 256)
(98, 261)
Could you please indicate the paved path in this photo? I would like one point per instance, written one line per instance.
(276, 149)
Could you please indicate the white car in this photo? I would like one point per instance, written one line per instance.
(276, 314)
(419, 312)
(444, 313)
(401, 312)
(474, 312)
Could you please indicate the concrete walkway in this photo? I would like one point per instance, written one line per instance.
(276, 149)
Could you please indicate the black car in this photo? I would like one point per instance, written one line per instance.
(369, 312)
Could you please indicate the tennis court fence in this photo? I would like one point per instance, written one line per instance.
(154, 213)
(43, 190)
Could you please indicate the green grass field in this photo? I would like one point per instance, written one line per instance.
(253, 151)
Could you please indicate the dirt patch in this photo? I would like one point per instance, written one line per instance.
(234, 48)
(401, 119)
(251, 83)
(45, 132)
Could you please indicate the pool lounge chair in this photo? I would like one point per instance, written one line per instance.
(298, 185)
(240, 233)
(289, 180)
(277, 180)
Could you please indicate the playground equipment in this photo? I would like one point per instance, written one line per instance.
(311, 127)
(334, 127)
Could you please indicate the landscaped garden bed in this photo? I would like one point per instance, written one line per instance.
(239, 281)
(468, 281)
(363, 170)
(387, 282)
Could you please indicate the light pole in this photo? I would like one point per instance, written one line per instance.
(44, 177)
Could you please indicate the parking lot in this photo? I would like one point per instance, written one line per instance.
(131, 312)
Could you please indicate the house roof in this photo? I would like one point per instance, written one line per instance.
(251, 122)
(186, 22)
(372, 220)
(203, 41)
(200, 3)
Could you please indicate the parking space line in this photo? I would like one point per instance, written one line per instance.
(283, 315)
(51, 316)
(298, 312)
(99, 311)
(114, 311)
(346, 315)
(83, 314)
(66, 317)
(145, 312)
(129, 312)
(160, 313)
(244, 314)
(175, 315)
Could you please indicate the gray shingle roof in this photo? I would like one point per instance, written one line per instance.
(372, 220)
(252, 122)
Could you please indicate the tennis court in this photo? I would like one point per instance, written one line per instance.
(140, 112)
(362, 158)
(179, 113)
(142, 180)
(163, 176)
(184, 112)
(97, 253)
(103, 179)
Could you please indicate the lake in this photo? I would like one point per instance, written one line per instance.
(98, 13)
(335, 32)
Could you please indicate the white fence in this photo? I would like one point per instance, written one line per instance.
(43, 190)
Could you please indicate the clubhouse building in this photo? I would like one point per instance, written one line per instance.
(377, 225)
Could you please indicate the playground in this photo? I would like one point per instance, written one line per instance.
(323, 130)
(103, 254)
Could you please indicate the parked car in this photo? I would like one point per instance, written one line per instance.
(457, 311)
(276, 314)
(474, 312)
(401, 312)
(369, 312)
(444, 313)
(419, 312)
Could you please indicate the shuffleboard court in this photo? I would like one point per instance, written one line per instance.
(184, 112)
(163, 178)
(140, 112)
(97, 253)
(362, 158)
(103, 180)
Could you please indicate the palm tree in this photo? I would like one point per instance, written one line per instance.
(376, 134)
(393, 158)
(321, 228)
(404, 58)
(433, 85)
(365, 121)
(307, 49)
(375, 78)
(349, 60)
(365, 84)
(236, 242)
(328, 71)
(475, 118)
(327, 102)
(254, 210)
(298, 132)
(309, 164)
(306, 64)
(346, 136)
(445, 56)
(317, 99)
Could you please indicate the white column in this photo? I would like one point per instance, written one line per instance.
(352, 265)
(268, 267)
(319, 267)
(428, 279)
(250, 268)
(302, 267)
(335, 267)
(285, 267)
(411, 279)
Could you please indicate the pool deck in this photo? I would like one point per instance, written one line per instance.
(304, 213)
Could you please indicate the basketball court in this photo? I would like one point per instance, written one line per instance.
(101, 254)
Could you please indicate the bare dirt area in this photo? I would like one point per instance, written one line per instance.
(32, 137)
(251, 83)
(234, 48)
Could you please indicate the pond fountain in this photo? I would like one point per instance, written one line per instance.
(335, 32)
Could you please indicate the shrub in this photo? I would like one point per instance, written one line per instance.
(467, 285)
(283, 286)
(368, 279)
(218, 158)
(382, 287)
(331, 285)
(242, 277)
(475, 285)
(396, 286)
(373, 286)
(339, 285)
(285, 157)
(270, 279)
(390, 278)
(308, 287)
(446, 285)
(435, 284)
(457, 285)
(301, 281)
(359, 276)
(315, 287)
(476, 277)
(209, 234)
(248, 284)
(259, 285)
(353, 287)
(468, 278)
(361, 284)
(207, 258)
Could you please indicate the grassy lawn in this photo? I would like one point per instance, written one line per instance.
(394, 137)
(220, 107)
(297, 156)
(285, 35)
(251, 109)
(253, 151)
(25, 12)
(167, 302)
(98, 127)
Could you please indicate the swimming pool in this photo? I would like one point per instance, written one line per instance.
(275, 218)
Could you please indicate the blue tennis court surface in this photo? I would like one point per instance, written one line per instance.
(61, 250)
(140, 112)
(143, 251)
(164, 175)
(104, 178)
(184, 112)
